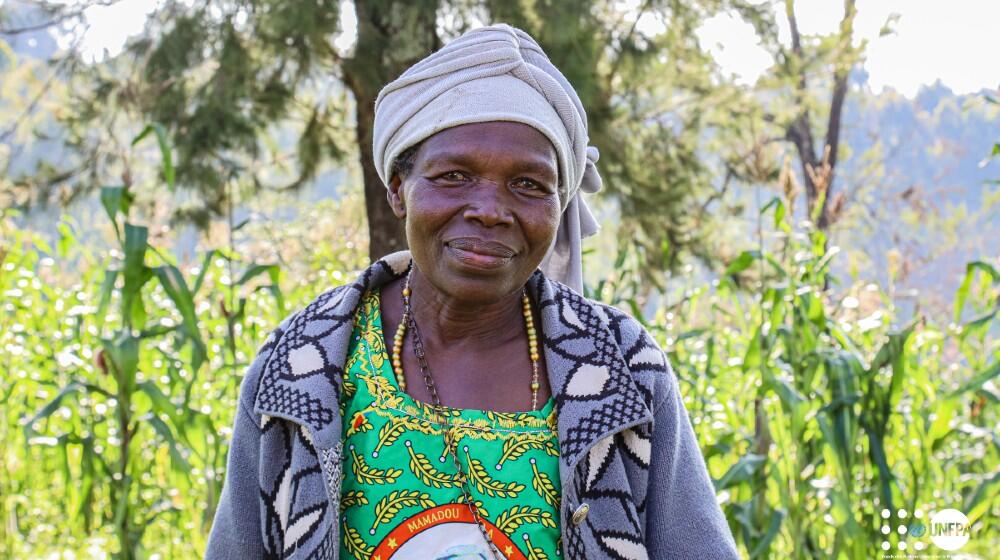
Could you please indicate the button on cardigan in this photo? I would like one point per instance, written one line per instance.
(628, 454)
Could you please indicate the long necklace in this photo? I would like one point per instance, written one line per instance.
(446, 429)
(397, 341)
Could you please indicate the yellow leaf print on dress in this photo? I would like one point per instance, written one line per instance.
(400, 495)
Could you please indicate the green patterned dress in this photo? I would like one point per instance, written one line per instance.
(400, 498)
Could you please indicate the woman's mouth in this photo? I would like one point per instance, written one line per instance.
(478, 253)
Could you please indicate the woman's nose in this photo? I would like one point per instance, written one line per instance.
(487, 205)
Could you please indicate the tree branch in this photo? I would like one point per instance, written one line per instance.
(58, 65)
(60, 17)
(842, 70)
(799, 131)
(716, 195)
(628, 37)
(841, 75)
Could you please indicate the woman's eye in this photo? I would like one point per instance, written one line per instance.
(452, 176)
(528, 184)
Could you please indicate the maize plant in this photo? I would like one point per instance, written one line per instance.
(819, 411)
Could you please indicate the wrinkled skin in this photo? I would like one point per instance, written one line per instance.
(493, 183)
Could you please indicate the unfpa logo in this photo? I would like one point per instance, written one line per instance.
(949, 529)
(905, 526)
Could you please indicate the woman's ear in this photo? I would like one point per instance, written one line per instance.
(395, 195)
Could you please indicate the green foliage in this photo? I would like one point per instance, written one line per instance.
(124, 377)
(815, 414)
(116, 407)
(221, 80)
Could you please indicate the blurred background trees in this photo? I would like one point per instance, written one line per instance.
(256, 93)
(260, 96)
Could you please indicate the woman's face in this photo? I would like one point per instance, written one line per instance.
(481, 207)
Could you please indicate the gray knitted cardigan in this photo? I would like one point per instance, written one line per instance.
(634, 483)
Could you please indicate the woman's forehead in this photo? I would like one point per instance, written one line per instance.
(496, 140)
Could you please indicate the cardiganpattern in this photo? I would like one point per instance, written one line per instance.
(296, 403)
(601, 365)
(292, 511)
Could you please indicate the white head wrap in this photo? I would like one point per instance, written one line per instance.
(498, 73)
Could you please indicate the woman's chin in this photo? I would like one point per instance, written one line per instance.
(472, 282)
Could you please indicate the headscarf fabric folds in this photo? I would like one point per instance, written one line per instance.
(498, 73)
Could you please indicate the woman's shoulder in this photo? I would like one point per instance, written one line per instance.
(294, 373)
(647, 363)
(332, 303)
(302, 319)
(626, 329)
(344, 298)
(317, 309)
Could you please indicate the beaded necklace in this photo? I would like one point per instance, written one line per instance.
(446, 429)
(397, 341)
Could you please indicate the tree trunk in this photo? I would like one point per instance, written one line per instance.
(385, 231)
(820, 169)
(392, 36)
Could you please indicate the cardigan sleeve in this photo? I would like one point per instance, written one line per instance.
(236, 530)
(683, 519)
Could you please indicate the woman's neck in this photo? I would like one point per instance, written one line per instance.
(447, 321)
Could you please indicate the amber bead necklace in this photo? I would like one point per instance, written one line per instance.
(529, 322)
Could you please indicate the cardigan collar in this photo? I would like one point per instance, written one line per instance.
(595, 394)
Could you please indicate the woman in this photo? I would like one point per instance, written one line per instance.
(456, 401)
